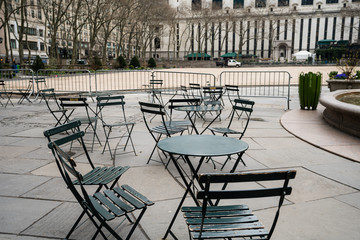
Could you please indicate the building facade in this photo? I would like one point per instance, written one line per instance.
(268, 29)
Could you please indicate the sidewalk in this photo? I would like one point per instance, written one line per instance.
(325, 203)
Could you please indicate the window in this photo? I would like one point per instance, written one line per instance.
(309, 35)
(326, 28)
(196, 5)
(334, 28)
(41, 33)
(157, 43)
(332, 1)
(301, 34)
(238, 4)
(260, 3)
(216, 4)
(31, 45)
(13, 43)
(307, 2)
(285, 29)
(39, 14)
(32, 13)
(12, 28)
(283, 3)
(42, 47)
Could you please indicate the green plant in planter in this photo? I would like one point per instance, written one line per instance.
(309, 90)
(332, 74)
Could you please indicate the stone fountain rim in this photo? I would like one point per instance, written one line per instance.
(329, 100)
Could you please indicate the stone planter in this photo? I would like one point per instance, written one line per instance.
(338, 84)
(343, 116)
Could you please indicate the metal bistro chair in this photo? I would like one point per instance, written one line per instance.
(51, 101)
(101, 206)
(118, 107)
(87, 118)
(64, 136)
(215, 221)
(7, 94)
(181, 102)
(233, 92)
(151, 110)
(241, 108)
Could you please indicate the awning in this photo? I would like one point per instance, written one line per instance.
(230, 55)
(325, 42)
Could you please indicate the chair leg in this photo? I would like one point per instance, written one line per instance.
(130, 138)
(152, 152)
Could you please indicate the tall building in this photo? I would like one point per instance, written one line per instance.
(269, 29)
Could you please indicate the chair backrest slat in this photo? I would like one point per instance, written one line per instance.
(69, 138)
(248, 176)
(62, 128)
(231, 194)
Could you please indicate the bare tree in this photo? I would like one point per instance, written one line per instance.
(77, 18)
(55, 14)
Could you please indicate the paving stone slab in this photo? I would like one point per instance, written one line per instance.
(277, 158)
(17, 237)
(17, 185)
(155, 182)
(346, 172)
(17, 214)
(31, 133)
(20, 166)
(322, 219)
(10, 152)
(309, 186)
(352, 199)
(54, 189)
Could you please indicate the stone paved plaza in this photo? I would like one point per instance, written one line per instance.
(324, 204)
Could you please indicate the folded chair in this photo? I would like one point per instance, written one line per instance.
(153, 111)
(242, 108)
(100, 207)
(118, 109)
(51, 101)
(87, 116)
(214, 221)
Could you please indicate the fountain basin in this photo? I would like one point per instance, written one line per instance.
(341, 115)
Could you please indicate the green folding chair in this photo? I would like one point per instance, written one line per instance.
(100, 207)
(115, 120)
(212, 220)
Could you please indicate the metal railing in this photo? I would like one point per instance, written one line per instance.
(275, 84)
(173, 80)
(18, 79)
(114, 80)
(67, 80)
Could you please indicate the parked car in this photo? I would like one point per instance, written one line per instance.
(228, 63)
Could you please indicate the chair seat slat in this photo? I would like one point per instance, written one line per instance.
(215, 208)
(113, 174)
(136, 203)
(100, 209)
(218, 214)
(116, 211)
(125, 207)
(231, 234)
(137, 194)
(227, 227)
(228, 220)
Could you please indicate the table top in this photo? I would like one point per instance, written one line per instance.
(206, 108)
(202, 145)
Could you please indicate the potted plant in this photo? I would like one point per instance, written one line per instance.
(348, 78)
(309, 90)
